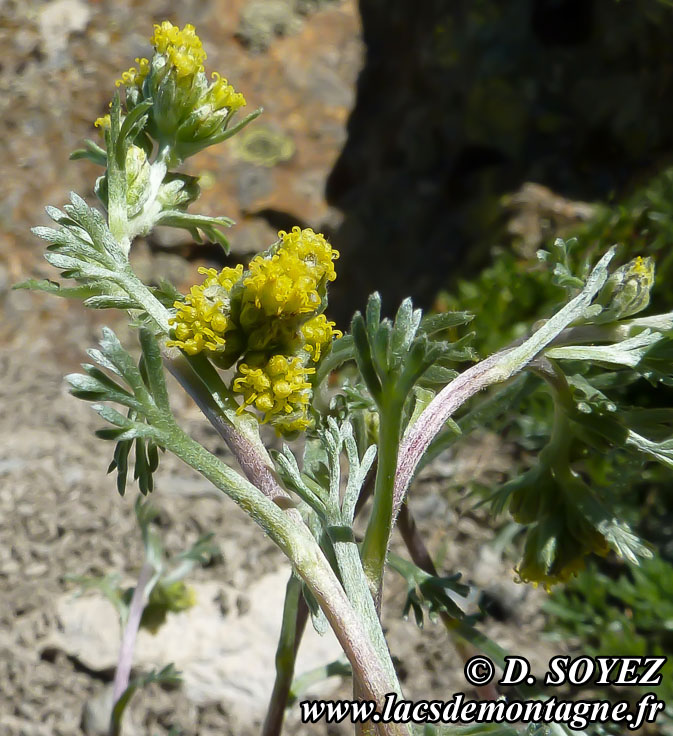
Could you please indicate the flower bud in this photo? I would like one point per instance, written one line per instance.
(627, 291)
(138, 171)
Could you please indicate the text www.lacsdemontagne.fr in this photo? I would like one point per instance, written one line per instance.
(577, 714)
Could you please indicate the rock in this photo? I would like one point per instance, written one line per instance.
(58, 20)
(261, 20)
(537, 213)
(253, 184)
(501, 596)
(224, 658)
(96, 713)
(460, 103)
(252, 236)
(263, 146)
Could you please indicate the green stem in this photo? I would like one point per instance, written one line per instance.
(379, 527)
(117, 219)
(295, 614)
(357, 587)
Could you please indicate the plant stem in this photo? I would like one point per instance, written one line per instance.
(128, 642)
(371, 666)
(494, 369)
(295, 615)
(379, 527)
(253, 458)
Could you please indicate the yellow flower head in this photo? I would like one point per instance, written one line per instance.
(627, 291)
(183, 48)
(319, 333)
(103, 123)
(286, 283)
(135, 77)
(312, 249)
(202, 319)
(548, 561)
(279, 389)
(221, 95)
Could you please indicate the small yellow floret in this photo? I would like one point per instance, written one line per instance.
(221, 95)
(182, 47)
(135, 77)
(286, 284)
(278, 389)
(103, 123)
(202, 319)
(312, 248)
(319, 333)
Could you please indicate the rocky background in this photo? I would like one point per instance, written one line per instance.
(396, 128)
(461, 102)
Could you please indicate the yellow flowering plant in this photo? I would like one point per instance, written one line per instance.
(253, 345)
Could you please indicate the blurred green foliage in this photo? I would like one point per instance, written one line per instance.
(460, 102)
(514, 290)
(628, 614)
(611, 607)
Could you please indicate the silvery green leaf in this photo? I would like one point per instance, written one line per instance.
(459, 350)
(89, 388)
(404, 330)
(58, 216)
(98, 356)
(134, 121)
(660, 451)
(592, 397)
(113, 416)
(53, 287)
(363, 356)
(155, 369)
(114, 351)
(92, 151)
(70, 246)
(381, 345)
(659, 322)
(96, 226)
(107, 301)
(437, 375)
(422, 398)
(628, 352)
(431, 324)
(373, 314)
(141, 471)
(120, 464)
(318, 618)
(83, 269)
(210, 226)
(627, 544)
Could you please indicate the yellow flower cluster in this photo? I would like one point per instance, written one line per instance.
(221, 95)
(564, 557)
(202, 319)
(279, 389)
(182, 47)
(135, 77)
(318, 334)
(285, 284)
(268, 319)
